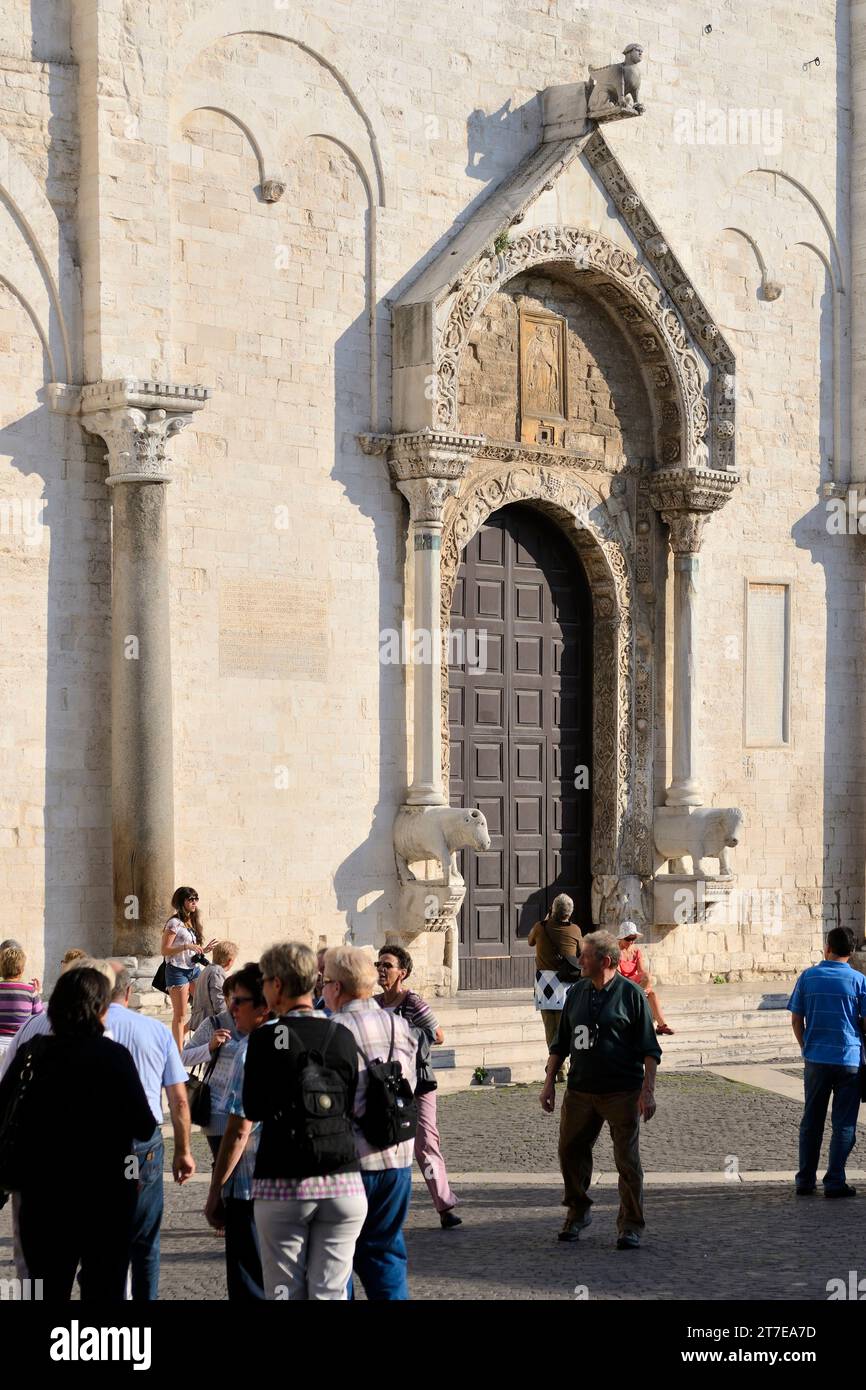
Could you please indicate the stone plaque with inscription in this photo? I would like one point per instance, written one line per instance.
(273, 628)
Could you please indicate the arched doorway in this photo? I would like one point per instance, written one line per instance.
(520, 717)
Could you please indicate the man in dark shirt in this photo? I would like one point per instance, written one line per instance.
(607, 1030)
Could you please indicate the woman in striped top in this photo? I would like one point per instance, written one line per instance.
(394, 967)
(19, 998)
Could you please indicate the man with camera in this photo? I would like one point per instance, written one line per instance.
(606, 1030)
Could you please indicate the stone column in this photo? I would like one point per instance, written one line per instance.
(135, 420)
(685, 498)
(427, 469)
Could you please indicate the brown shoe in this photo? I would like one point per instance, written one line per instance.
(572, 1227)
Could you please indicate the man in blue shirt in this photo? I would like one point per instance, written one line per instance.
(827, 1009)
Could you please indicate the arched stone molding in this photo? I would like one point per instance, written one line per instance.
(234, 17)
(54, 303)
(621, 778)
(243, 113)
(677, 374)
(28, 301)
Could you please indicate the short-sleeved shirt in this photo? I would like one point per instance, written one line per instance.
(831, 997)
(197, 1051)
(19, 1001)
(415, 1010)
(153, 1050)
(182, 935)
(208, 998)
(552, 940)
(240, 1184)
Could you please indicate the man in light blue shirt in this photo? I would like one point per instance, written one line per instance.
(827, 1009)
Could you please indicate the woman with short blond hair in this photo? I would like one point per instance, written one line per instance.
(19, 998)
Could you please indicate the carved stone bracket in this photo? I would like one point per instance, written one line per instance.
(685, 499)
(136, 419)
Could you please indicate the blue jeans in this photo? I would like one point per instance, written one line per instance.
(821, 1080)
(144, 1244)
(380, 1254)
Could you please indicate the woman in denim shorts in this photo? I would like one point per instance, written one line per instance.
(181, 941)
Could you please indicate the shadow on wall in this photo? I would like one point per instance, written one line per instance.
(492, 139)
(365, 881)
(840, 556)
(77, 836)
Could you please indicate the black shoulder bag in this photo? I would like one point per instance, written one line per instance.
(11, 1157)
(390, 1114)
(198, 1092)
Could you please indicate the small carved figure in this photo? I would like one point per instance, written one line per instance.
(616, 87)
(437, 832)
(617, 507)
(705, 833)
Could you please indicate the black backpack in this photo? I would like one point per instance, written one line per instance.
(391, 1115)
(317, 1116)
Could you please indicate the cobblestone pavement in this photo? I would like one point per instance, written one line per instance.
(759, 1242)
(700, 1120)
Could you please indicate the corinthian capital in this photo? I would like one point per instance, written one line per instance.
(136, 419)
(427, 498)
(685, 498)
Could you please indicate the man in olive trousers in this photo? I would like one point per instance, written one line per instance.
(606, 1029)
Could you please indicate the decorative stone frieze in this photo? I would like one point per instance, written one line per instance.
(685, 498)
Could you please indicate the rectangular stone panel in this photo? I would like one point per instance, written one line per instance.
(273, 629)
(767, 664)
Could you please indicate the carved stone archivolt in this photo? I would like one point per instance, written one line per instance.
(652, 318)
(622, 741)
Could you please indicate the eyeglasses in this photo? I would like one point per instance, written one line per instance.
(241, 999)
(381, 966)
(193, 898)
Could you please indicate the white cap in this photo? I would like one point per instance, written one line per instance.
(628, 929)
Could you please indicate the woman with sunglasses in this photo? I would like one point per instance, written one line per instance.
(182, 938)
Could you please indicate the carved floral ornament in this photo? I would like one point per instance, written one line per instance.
(136, 419)
(685, 499)
(622, 744)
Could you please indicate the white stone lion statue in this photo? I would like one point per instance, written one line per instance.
(437, 832)
(703, 833)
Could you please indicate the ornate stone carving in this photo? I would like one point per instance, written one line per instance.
(672, 274)
(136, 419)
(617, 505)
(617, 274)
(427, 497)
(698, 834)
(430, 454)
(542, 375)
(273, 190)
(437, 832)
(685, 498)
(615, 90)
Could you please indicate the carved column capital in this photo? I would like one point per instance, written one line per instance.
(685, 498)
(427, 498)
(136, 419)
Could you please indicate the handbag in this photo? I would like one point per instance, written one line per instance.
(569, 970)
(11, 1159)
(198, 1093)
(158, 981)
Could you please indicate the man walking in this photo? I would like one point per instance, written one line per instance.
(827, 1009)
(607, 1030)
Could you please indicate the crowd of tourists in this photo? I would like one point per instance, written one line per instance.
(311, 1079)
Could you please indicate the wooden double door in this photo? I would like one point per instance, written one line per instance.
(520, 714)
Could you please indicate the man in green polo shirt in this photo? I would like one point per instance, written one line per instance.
(606, 1029)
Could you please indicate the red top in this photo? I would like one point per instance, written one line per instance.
(631, 968)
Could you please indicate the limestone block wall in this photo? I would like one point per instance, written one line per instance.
(188, 272)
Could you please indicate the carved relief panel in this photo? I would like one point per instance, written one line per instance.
(542, 376)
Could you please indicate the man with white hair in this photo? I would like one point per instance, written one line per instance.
(607, 1027)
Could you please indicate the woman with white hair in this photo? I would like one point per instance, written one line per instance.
(557, 943)
(632, 967)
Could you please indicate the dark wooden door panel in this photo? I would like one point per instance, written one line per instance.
(520, 727)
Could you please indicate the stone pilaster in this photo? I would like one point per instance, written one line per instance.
(685, 498)
(136, 420)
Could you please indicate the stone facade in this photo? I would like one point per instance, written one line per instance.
(250, 198)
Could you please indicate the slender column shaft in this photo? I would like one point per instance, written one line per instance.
(142, 790)
(426, 789)
(684, 790)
